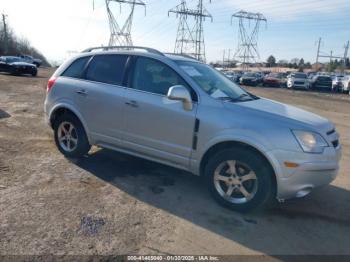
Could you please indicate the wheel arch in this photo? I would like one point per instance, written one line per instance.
(214, 149)
(60, 110)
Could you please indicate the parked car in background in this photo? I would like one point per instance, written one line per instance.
(298, 80)
(345, 87)
(15, 66)
(337, 83)
(274, 80)
(183, 113)
(249, 79)
(321, 82)
(260, 77)
(231, 76)
(29, 59)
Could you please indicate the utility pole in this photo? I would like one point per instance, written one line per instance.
(318, 52)
(345, 54)
(190, 39)
(226, 61)
(121, 36)
(249, 26)
(331, 56)
(4, 16)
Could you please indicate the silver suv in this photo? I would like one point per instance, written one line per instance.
(177, 111)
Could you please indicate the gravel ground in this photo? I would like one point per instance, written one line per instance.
(110, 203)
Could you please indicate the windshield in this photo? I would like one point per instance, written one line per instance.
(213, 82)
(249, 75)
(12, 59)
(274, 75)
(299, 76)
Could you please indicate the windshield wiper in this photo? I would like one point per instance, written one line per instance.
(236, 99)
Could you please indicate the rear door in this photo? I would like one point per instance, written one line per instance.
(156, 126)
(100, 97)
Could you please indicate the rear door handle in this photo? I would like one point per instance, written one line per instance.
(132, 103)
(82, 92)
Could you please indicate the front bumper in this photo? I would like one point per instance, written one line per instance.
(313, 170)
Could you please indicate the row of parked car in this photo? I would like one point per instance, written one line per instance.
(19, 65)
(293, 80)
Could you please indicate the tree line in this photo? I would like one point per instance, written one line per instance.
(12, 45)
(300, 64)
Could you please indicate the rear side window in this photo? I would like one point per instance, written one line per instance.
(107, 69)
(76, 69)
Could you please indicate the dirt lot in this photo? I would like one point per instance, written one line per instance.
(109, 203)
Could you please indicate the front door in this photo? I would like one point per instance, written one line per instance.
(154, 125)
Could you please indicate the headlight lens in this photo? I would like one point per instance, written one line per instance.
(310, 142)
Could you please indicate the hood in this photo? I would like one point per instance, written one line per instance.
(248, 77)
(299, 79)
(293, 116)
(21, 64)
(272, 79)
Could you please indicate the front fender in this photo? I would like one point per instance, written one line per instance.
(245, 136)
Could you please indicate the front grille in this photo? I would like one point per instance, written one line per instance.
(298, 83)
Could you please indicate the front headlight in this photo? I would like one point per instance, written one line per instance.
(310, 142)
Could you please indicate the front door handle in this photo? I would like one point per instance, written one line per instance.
(82, 92)
(132, 103)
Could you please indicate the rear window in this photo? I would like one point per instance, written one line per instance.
(107, 69)
(76, 69)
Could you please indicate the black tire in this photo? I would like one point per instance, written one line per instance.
(82, 145)
(35, 73)
(265, 193)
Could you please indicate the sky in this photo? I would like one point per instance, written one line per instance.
(293, 27)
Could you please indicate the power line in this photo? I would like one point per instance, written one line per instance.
(190, 40)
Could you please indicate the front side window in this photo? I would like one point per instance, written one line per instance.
(155, 77)
(76, 69)
(107, 69)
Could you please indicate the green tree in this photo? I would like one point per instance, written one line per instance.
(271, 61)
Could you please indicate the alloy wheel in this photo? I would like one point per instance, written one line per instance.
(67, 136)
(235, 181)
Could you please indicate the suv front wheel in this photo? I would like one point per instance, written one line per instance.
(240, 179)
(70, 136)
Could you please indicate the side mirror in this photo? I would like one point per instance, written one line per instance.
(180, 93)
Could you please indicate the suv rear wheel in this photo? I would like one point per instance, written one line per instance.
(70, 136)
(240, 179)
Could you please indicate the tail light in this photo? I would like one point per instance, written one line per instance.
(50, 83)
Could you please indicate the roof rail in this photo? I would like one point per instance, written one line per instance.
(106, 48)
(183, 55)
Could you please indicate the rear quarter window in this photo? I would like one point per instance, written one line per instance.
(76, 68)
(107, 69)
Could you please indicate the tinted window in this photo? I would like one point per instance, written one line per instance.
(76, 69)
(155, 77)
(108, 69)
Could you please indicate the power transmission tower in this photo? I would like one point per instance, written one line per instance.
(249, 26)
(190, 40)
(4, 16)
(121, 36)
